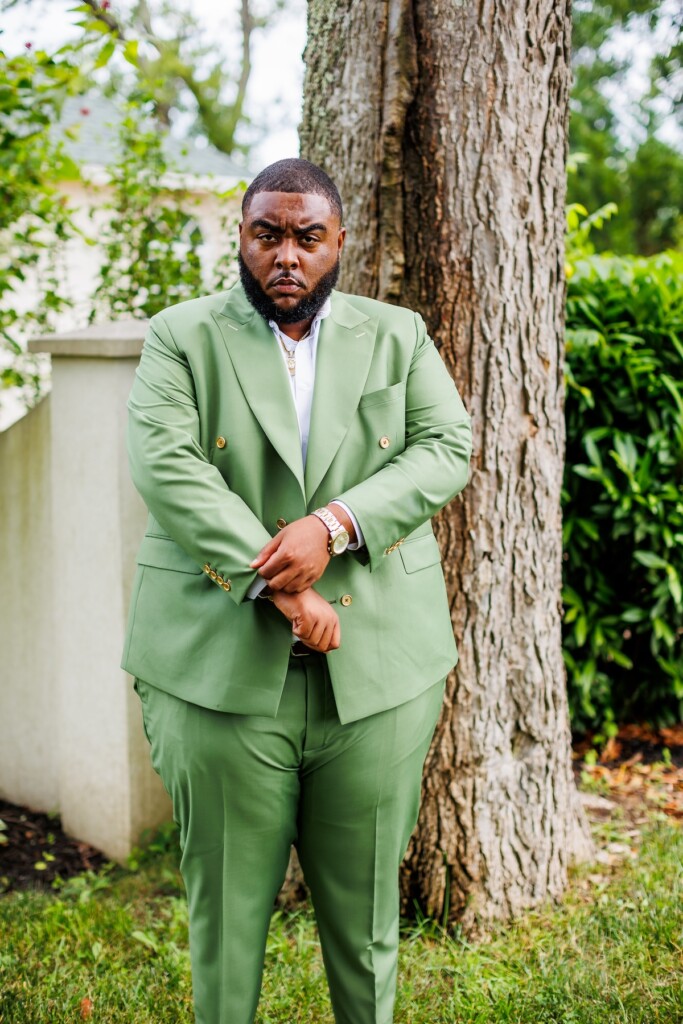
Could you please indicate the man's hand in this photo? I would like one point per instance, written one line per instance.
(313, 619)
(296, 557)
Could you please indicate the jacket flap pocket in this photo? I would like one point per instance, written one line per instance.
(420, 552)
(164, 553)
(383, 395)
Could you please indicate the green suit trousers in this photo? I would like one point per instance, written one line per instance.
(246, 787)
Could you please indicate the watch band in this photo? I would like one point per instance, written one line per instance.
(329, 519)
(333, 525)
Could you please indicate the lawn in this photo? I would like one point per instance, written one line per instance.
(111, 946)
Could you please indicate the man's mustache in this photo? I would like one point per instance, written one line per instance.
(287, 277)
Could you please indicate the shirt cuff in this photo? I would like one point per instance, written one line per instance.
(359, 533)
(257, 586)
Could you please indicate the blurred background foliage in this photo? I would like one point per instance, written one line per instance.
(629, 150)
(34, 220)
(622, 495)
(152, 241)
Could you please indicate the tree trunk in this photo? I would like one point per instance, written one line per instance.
(444, 125)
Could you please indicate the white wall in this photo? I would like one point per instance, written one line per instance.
(28, 737)
(71, 736)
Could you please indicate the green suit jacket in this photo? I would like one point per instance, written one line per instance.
(211, 371)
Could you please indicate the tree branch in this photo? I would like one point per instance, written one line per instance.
(220, 120)
(112, 23)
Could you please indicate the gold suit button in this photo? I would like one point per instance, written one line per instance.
(346, 599)
(207, 567)
(281, 523)
(213, 574)
(384, 441)
(226, 585)
(220, 442)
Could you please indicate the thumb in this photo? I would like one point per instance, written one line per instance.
(265, 552)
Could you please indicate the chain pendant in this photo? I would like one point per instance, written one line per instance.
(291, 364)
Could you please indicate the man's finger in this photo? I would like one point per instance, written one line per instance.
(301, 631)
(276, 561)
(317, 634)
(327, 637)
(333, 635)
(282, 579)
(266, 551)
(297, 625)
(296, 585)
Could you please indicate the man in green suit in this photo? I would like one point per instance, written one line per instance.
(289, 630)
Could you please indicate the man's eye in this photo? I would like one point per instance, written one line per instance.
(266, 236)
(310, 239)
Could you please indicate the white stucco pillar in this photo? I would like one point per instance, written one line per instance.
(107, 789)
(28, 762)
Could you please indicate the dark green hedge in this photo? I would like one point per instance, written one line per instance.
(623, 490)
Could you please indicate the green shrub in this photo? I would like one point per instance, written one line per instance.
(34, 221)
(151, 240)
(622, 494)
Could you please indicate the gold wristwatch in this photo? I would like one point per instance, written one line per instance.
(338, 540)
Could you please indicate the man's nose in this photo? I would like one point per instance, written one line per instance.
(286, 256)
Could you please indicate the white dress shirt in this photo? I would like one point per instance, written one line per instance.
(302, 382)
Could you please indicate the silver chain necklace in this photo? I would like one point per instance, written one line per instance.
(291, 359)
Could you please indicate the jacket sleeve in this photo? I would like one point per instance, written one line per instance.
(419, 481)
(185, 493)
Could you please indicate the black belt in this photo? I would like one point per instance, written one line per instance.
(299, 648)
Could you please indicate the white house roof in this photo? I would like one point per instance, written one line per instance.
(96, 144)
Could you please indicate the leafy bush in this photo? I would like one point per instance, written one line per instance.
(622, 494)
(151, 242)
(34, 220)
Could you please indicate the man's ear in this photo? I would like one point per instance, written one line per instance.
(239, 227)
(340, 239)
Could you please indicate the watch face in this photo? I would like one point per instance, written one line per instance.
(340, 542)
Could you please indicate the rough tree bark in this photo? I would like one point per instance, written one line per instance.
(444, 124)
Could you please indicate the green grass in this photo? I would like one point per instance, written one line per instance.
(611, 952)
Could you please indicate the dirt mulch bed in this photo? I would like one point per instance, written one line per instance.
(641, 769)
(637, 774)
(34, 850)
(633, 771)
(636, 743)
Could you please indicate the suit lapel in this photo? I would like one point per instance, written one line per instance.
(262, 374)
(342, 362)
(343, 357)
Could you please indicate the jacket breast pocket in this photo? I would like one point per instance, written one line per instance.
(382, 396)
(420, 553)
(164, 553)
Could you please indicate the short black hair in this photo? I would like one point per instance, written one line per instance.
(295, 175)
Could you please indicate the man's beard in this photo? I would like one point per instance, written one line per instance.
(305, 308)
